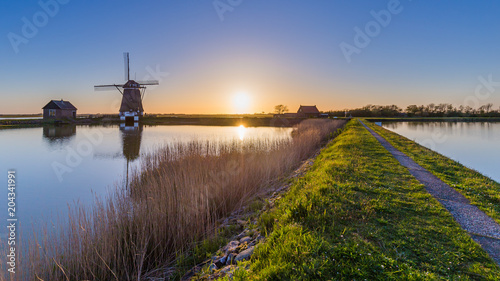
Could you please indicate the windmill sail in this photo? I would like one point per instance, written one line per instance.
(131, 108)
(127, 66)
(149, 82)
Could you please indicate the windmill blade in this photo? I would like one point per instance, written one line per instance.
(149, 82)
(107, 87)
(100, 89)
(127, 66)
(110, 85)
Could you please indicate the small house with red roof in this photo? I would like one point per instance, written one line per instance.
(59, 109)
(308, 111)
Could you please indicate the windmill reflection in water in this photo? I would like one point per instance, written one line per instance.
(131, 144)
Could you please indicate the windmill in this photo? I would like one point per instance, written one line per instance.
(132, 94)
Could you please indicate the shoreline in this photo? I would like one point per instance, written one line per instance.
(432, 119)
(214, 120)
(154, 121)
(217, 121)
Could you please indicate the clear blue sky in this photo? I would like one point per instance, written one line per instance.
(273, 51)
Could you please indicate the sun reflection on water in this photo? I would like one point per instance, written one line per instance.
(241, 132)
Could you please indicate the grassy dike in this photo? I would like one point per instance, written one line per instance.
(359, 215)
(480, 190)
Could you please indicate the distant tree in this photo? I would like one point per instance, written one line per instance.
(482, 109)
(430, 110)
(468, 110)
(390, 110)
(412, 110)
(280, 109)
(461, 110)
(450, 110)
(488, 107)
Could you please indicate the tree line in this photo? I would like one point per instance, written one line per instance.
(430, 110)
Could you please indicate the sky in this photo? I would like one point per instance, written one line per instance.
(246, 56)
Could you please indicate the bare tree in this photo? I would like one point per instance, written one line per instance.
(280, 109)
(488, 107)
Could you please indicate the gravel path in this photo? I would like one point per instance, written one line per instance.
(483, 229)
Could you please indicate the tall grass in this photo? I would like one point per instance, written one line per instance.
(175, 200)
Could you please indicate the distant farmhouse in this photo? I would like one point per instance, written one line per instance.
(58, 109)
(305, 111)
(308, 111)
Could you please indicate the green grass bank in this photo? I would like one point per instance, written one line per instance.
(479, 189)
(359, 215)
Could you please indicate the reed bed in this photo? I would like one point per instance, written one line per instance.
(180, 193)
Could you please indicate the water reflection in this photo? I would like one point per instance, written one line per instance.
(94, 160)
(59, 135)
(241, 132)
(458, 129)
(474, 144)
(131, 145)
(131, 141)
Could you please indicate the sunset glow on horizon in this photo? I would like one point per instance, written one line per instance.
(335, 54)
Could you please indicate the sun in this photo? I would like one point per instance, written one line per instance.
(241, 102)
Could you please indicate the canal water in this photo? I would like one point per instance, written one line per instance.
(58, 166)
(20, 118)
(473, 144)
